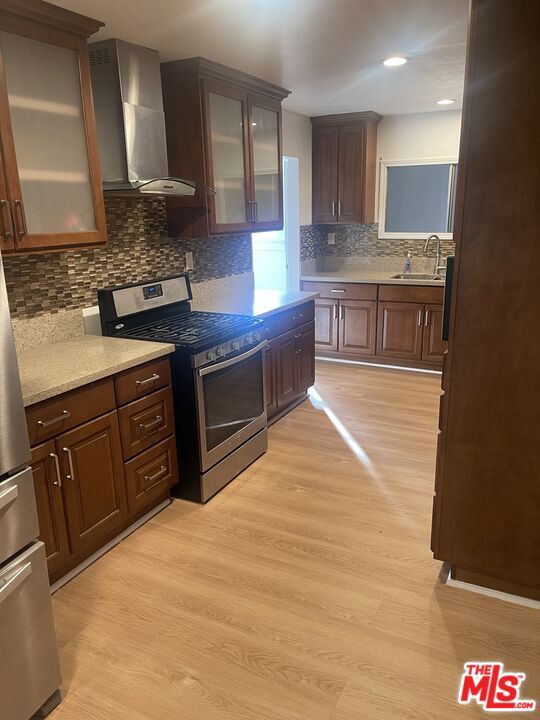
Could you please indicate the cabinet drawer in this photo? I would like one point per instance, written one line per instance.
(141, 380)
(19, 524)
(55, 416)
(145, 422)
(342, 291)
(151, 474)
(294, 317)
(411, 293)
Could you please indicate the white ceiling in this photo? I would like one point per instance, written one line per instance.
(328, 52)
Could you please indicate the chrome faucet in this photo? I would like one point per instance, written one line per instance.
(438, 266)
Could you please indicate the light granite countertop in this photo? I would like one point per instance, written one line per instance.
(50, 370)
(367, 276)
(257, 303)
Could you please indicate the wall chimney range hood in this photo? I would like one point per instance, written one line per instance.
(128, 102)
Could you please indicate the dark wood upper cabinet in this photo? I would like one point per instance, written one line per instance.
(50, 190)
(344, 167)
(325, 173)
(224, 131)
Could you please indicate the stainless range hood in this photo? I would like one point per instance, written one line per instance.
(128, 102)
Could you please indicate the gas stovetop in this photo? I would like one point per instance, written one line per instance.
(195, 330)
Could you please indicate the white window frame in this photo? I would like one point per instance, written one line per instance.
(383, 175)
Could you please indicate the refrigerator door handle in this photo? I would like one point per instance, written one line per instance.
(8, 496)
(14, 581)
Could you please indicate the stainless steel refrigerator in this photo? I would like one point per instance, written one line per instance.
(30, 671)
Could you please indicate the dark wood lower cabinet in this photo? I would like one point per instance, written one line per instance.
(385, 323)
(50, 504)
(400, 329)
(326, 324)
(357, 327)
(271, 381)
(94, 489)
(305, 358)
(86, 492)
(287, 390)
(434, 346)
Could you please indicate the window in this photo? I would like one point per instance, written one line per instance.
(417, 199)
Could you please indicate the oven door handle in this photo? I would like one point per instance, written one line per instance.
(231, 361)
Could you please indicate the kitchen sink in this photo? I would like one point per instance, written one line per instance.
(417, 276)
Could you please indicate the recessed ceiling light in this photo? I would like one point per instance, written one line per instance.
(446, 101)
(395, 61)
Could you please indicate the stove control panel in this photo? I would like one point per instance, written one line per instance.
(228, 349)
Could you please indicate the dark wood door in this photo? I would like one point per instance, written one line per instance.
(271, 380)
(227, 156)
(434, 346)
(305, 357)
(285, 348)
(38, 61)
(486, 510)
(351, 171)
(399, 330)
(266, 167)
(50, 504)
(326, 324)
(93, 480)
(7, 239)
(325, 174)
(357, 327)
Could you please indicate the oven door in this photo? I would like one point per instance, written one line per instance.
(231, 403)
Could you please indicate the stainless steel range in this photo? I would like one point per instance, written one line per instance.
(217, 372)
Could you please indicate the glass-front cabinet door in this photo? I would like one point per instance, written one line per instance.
(266, 173)
(48, 135)
(227, 150)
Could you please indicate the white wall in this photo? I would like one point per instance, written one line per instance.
(414, 137)
(297, 143)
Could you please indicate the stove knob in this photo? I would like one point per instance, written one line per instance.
(209, 355)
(235, 345)
(219, 352)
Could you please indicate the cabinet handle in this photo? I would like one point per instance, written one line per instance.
(335, 311)
(420, 313)
(248, 211)
(7, 228)
(339, 208)
(256, 208)
(333, 207)
(47, 423)
(152, 379)
(427, 318)
(71, 475)
(155, 476)
(337, 290)
(58, 481)
(152, 424)
(23, 231)
(341, 312)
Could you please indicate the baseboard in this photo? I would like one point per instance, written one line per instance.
(497, 594)
(112, 543)
(378, 365)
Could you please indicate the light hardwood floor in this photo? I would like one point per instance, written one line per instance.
(304, 591)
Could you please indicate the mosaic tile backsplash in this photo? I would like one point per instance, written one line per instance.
(138, 249)
(361, 241)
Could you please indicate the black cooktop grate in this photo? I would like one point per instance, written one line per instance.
(194, 328)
